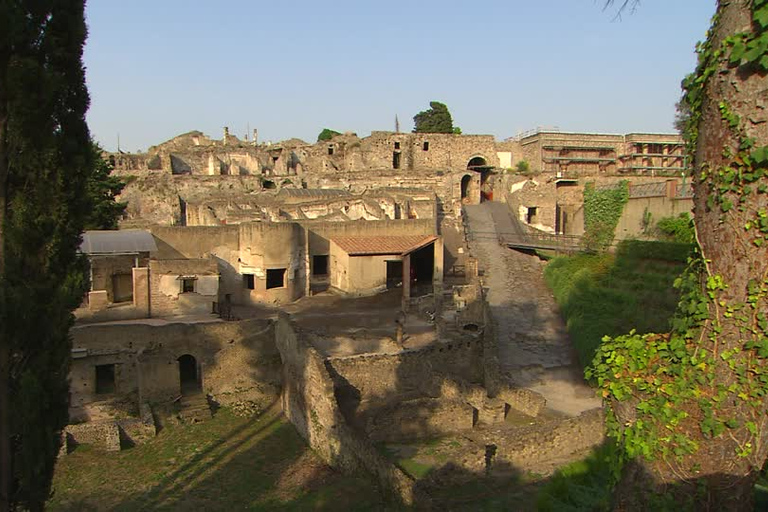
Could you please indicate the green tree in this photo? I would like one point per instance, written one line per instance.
(327, 134)
(45, 161)
(436, 119)
(689, 407)
(103, 188)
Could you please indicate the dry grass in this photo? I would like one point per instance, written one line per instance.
(227, 463)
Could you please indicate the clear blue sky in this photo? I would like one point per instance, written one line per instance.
(291, 67)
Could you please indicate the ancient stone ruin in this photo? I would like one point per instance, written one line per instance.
(352, 282)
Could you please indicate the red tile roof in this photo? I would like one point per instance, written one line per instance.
(369, 245)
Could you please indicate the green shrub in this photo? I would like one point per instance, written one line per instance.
(676, 229)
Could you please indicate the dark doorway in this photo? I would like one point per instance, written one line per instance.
(122, 288)
(422, 270)
(531, 217)
(275, 278)
(188, 378)
(396, 160)
(320, 265)
(105, 379)
(465, 182)
(394, 274)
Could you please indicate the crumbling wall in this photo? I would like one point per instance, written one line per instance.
(167, 296)
(393, 377)
(234, 358)
(309, 403)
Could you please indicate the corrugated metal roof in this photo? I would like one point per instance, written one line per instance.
(370, 245)
(125, 241)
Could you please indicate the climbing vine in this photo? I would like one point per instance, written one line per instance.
(602, 210)
(689, 385)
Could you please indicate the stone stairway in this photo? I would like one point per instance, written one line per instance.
(194, 408)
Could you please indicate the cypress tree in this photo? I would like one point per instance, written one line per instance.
(45, 162)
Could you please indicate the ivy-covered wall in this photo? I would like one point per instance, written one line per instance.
(602, 211)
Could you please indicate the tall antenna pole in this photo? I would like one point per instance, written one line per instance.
(397, 124)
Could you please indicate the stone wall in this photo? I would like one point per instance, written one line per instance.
(233, 357)
(166, 286)
(309, 403)
(394, 377)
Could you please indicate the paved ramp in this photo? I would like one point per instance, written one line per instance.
(534, 349)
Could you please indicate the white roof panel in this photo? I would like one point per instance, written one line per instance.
(125, 241)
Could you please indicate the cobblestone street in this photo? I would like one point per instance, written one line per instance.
(534, 349)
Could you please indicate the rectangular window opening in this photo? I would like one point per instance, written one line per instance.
(188, 285)
(275, 278)
(249, 282)
(105, 379)
(397, 145)
(320, 265)
(426, 146)
(330, 150)
(531, 216)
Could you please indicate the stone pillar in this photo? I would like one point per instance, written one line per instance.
(437, 276)
(141, 290)
(406, 282)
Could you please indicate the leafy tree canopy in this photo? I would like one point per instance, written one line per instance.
(436, 119)
(327, 134)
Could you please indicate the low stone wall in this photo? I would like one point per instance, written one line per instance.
(309, 403)
(102, 434)
(385, 377)
(422, 418)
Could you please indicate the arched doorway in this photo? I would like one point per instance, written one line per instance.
(476, 163)
(188, 374)
(480, 164)
(466, 180)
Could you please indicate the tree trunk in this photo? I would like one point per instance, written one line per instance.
(6, 474)
(715, 477)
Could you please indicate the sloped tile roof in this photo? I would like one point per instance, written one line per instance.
(370, 245)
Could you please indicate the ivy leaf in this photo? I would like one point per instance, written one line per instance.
(737, 52)
(761, 17)
(760, 155)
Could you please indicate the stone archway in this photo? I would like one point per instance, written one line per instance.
(480, 165)
(466, 183)
(189, 378)
(476, 163)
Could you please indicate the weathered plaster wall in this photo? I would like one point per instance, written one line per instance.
(235, 359)
(166, 294)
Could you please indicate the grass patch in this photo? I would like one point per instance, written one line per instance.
(226, 463)
(414, 468)
(583, 485)
(606, 294)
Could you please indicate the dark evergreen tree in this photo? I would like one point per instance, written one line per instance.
(436, 119)
(45, 162)
(103, 188)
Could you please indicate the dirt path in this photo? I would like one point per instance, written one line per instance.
(534, 349)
